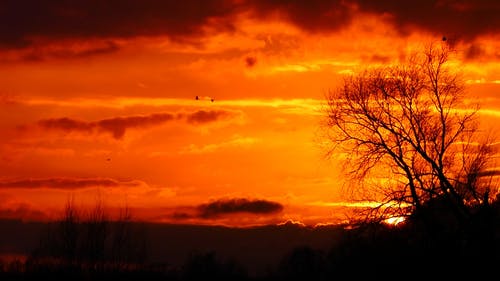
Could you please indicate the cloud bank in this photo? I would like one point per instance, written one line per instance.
(238, 205)
(25, 23)
(66, 183)
(118, 126)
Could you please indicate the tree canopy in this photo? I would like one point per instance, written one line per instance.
(410, 128)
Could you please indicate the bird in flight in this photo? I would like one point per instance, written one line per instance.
(205, 98)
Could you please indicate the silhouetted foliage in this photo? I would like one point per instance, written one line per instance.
(205, 266)
(303, 263)
(96, 227)
(69, 231)
(128, 243)
(92, 240)
(409, 137)
(370, 250)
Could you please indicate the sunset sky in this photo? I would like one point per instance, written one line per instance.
(98, 100)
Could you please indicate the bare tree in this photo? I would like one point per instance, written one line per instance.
(61, 239)
(69, 232)
(91, 239)
(121, 237)
(409, 128)
(97, 232)
(128, 241)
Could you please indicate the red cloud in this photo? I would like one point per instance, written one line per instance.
(66, 183)
(66, 124)
(203, 116)
(457, 20)
(238, 205)
(23, 212)
(117, 126)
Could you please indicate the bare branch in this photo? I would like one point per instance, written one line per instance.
(408, 120)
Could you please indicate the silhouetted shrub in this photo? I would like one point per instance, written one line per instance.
(92, 240)
(303, 263)
(206, 266)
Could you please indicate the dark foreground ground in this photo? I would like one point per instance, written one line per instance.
(258, 248)
(287, 252)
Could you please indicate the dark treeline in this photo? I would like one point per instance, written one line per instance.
(91, 246)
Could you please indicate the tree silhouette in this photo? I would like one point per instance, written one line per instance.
(92, 239)
(97, 232)
(409, 138)
(69, 232)
(303, 263)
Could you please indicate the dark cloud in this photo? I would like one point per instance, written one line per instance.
(117, 126)
(207, 116)
(180, 216)
(313, 15)
(28, 22)
(457, 20)
(70, 53)
(66, 124)
(23, 212)
(22, 22)
(474, 51)
(238, 205)
(65, 183)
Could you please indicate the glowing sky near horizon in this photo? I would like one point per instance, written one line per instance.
(97, 100)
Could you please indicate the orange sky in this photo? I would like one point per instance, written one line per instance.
(97, 99)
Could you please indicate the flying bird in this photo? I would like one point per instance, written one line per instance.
(205, 98)
(444, 38)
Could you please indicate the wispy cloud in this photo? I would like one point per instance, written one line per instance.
(74, 51)
(235, 141)
(66, 183)
(298, 106)
(205, 116)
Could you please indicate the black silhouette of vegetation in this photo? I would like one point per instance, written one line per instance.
(86, 244)
(412, 125)
(93, 238)
(369, 250)
(206, 266)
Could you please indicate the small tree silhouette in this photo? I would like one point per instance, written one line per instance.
(128, 243)
(206, 266)
(303, 263)
(93, 240)
(96, 227)
(69, 230)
